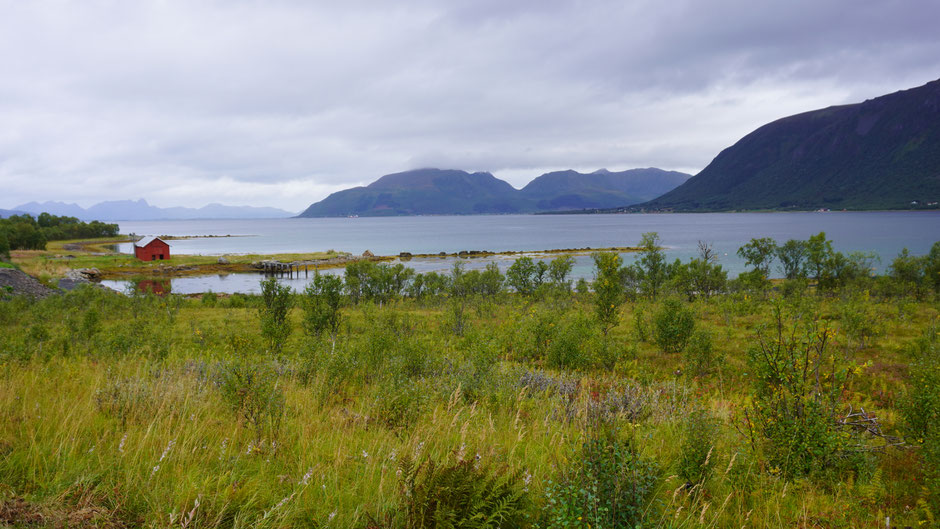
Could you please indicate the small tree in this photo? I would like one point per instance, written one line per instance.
(791, 255)
(559, 269)
(274, 311)
(651, 267)
(759, 253)
(608, 289)
(522, 276)
(818, 255)
(321, 305)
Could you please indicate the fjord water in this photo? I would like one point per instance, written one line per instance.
(884, 233)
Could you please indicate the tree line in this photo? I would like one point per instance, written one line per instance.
(25, 232)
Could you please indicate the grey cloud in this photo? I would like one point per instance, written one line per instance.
(280, 103)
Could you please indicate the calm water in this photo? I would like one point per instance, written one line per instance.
(884, 233)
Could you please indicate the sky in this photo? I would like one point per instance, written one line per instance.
(280, 103)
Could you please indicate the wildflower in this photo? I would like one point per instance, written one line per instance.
(166, 450)
(365, 455)
(121, 444)
(306, 478)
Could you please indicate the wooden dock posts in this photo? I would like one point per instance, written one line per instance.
(281, 269)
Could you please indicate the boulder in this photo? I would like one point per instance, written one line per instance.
(367, 253)
(83, 274)
(223, 261)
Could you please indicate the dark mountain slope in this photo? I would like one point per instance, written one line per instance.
(880, 154)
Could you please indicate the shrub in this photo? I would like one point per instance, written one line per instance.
(582, 287)
(697, 457)
(210, 299)
(252, 391)
(673, 325)
(798, 392)
(276, 303)
(608, 289)
(859, 321)
(399, 404)
(609, 485)
(700, 355)
(463, 494)
(921, 406)
(571, 344)
(321, 303)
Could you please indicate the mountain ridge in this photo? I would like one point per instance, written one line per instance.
(883, 153)
(431, 191)
(141, 210)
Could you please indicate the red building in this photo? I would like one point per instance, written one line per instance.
(151, 249)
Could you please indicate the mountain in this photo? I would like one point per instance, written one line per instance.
(455, 192)
(4, 213)
(564, 190)
(141, 210)
(880, 154)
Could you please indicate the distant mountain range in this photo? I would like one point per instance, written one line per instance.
(4, 213)
(880, 154)
(141, 210)
(455, 192)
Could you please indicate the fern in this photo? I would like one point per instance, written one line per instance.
(460, 495)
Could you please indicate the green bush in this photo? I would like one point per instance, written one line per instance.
(921, 406)
(276, 303)
(525, 275)
(252, 391)
(798, 391)
(572, 343)
(608, 289)
(609, 484)
(399, 403)
(673, 325)
(700, 355)
(463, 494)
(321, 303)
(210, 299)
(697, 458)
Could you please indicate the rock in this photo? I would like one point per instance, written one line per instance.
(223, 261)
(19, 283)
(83, 274)
(367, 253)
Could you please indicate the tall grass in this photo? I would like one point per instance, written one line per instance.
(113, 413)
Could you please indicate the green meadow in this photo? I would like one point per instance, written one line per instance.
(657, 395)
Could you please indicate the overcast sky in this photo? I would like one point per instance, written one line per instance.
(279, 103)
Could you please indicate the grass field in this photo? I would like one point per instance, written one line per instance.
(144, 411)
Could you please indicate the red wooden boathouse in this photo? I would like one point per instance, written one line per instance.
(151, 249)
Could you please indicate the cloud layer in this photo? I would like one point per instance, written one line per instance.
(282, 102)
